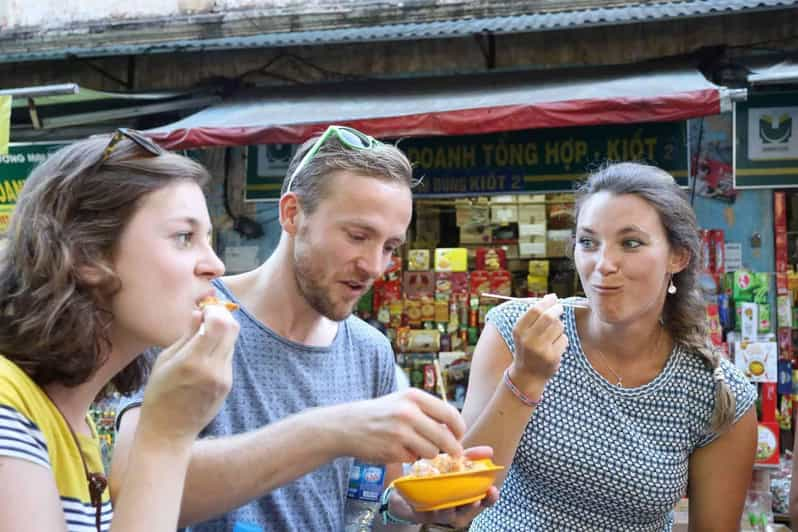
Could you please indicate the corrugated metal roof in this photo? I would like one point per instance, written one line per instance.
(522, 23)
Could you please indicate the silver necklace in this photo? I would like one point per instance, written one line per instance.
(619, 382)
(619, 379)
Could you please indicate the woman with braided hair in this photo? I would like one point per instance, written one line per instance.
(610, 414)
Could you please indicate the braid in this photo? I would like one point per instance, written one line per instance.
(725, 403)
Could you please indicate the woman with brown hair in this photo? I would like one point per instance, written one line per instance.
(107, 255)
(610, 414)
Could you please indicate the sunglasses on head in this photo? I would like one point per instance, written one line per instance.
(134, 136)
(348, 137)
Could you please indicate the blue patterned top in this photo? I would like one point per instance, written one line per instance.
(598, 457)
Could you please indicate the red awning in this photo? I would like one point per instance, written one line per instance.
(462, 105)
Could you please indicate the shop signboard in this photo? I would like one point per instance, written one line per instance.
(267, 165)
(542, 160)
(5, 123)
(766, 146)
(15, 166)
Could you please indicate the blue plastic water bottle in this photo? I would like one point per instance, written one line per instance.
(363, 496)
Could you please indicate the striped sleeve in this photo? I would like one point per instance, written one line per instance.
(21, 438)
(81, 516)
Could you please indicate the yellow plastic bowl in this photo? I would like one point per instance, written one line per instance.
(449, 489)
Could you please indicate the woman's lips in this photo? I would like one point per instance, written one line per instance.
(601, 289)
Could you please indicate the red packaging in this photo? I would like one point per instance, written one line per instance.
(782, 287)
(491, 259)
(429, 378)
(781, 265)
(715, 330)
(781, 255)
(451, 284)
(394, 270)
(419, 284)
(780, 240)
(767, 447)
(784, 335)
(769, 402)
(480, 282)
(780, 243)
(501, 282)
(780, 210)
(706, 250)
(386, 292)
(718, 254)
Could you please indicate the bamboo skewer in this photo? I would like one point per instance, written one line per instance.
(563, 302)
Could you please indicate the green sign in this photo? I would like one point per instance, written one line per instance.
(15, 167)
(267, 165)
(766, 144)
(542, 160)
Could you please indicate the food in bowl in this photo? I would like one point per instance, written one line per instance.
(446, 482)
(443, 463)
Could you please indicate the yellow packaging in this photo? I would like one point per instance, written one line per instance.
(423, 340)
(539, 268)
(442, 311)
(451, 260)
(418, 260)
(537, 285)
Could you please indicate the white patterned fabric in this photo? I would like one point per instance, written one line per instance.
(598, 457)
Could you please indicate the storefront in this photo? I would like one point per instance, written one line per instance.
(499, 156)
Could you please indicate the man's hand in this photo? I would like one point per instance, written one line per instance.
(400, 427)
(457, 517)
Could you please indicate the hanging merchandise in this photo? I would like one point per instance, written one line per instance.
(767, 449)
(431, 304)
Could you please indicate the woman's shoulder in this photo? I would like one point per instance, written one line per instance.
(19, 392)
(23, 416)
(693, 367)
(510, 311)
(696, 379)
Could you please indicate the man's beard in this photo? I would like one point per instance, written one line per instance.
(312, 290)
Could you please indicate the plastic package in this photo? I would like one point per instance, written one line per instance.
(758, 513)
(780, 485)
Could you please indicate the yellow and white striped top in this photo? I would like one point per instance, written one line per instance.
(32, 429)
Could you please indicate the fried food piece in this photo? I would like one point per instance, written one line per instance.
(211, 300)
(442, 464)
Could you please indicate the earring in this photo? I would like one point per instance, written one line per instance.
(671, 287)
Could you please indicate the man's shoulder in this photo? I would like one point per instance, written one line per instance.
(364, 331)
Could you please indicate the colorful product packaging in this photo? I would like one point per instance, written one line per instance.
(418, 260)
(750, 286)
(501, 282)
(419, 284)
(480, 282)
(491, 259)
(767, 449)
(451, 260)
(713, 319)
(757, 360)
(718, 243)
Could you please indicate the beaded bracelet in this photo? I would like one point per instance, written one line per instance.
(387, 517)
(528, 401)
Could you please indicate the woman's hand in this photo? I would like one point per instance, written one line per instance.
(539, 345)
(457, 517)
(191, 378)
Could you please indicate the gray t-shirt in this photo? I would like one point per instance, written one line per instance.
(274, 378)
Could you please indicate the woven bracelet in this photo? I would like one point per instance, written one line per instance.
(528, 401)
